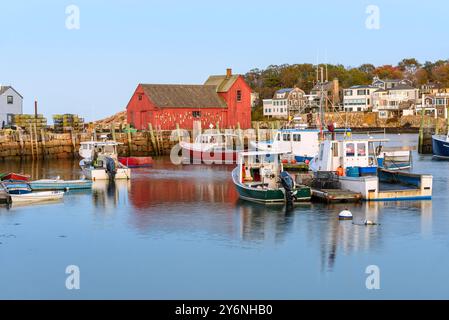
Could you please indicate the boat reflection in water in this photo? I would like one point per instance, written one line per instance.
(348, 237)
(266, 223)
(110, 194)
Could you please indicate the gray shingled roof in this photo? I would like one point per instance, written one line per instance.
(222, 83)
(402, 87)
(183, 96)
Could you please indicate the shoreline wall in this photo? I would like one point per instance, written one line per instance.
(19, 145)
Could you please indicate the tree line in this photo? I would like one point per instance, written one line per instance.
(274, 77)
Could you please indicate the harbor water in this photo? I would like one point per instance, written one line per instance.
(180, 232)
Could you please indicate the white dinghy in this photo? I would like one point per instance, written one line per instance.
(37, 196)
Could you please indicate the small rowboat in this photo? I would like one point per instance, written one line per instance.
(14, 176)
(57, 184)
(136, 162)
(37, 196)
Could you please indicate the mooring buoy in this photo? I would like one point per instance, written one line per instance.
(369, 223)
(345, 215)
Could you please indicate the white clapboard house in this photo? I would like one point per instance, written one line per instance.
(11, 102)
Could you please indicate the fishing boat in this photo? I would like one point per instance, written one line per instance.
(440, 146)
(136, 162)
(356, 160)
(58, 184)
(301, 142)
(100, 161)
(37, 197)
(211, 148)
(259, 177)
(16, 187)
(14, 177)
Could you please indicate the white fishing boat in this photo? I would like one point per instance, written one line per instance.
(356, 161)
(37, 197)
(100, 161)
(216, 148)
(301, 142)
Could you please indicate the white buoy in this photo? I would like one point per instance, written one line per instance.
(369, 223)
(345, 215)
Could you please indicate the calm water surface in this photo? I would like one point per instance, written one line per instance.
(180, 232)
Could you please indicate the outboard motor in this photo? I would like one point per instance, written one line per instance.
(110, 168)
(289, 185)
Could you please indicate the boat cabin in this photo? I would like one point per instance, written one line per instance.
(351, 154)
(106, 148)
(225, 141)
(260, 169)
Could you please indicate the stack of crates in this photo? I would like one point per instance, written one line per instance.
(25, 120)
(67, 122)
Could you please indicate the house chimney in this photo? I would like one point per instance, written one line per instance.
(35, 108)
(228, 73)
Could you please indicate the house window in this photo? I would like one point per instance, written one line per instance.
(140, 97)
(239, 95)
(9, 99)
(196, 114)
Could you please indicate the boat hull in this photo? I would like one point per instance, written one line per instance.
(37, 197)
(101, 174)
(136, 162)
(267, 195)
(390, 186)
(60, 185)
(15, 177)
(209, 157)
(440, 147)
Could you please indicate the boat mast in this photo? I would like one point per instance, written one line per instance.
(321, 115)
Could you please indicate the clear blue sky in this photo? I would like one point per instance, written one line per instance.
(94, 70)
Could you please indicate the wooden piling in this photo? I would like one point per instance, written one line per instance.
(421, 132)
(129, 139)
(44, 145)
(153, 140)
(73, 139)
(31, 141)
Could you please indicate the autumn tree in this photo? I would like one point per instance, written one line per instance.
(388, 72)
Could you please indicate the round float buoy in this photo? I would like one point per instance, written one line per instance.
(345, 215)
(369, 223)
(307, 161)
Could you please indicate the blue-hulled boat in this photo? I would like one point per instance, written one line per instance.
(440, 146)
(58, 184)
(15, 187)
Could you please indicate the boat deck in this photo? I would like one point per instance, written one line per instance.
(336, 195)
